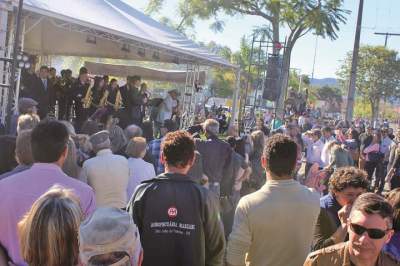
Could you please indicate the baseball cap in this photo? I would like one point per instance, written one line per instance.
(24, 104)
(108, 230)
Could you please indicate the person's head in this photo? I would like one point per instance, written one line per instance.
(352, 134)
(177, 151)
(143, 87)
(44, 72)
(316, 134)
(27, 121)
(347, 183)
(279, 157)
(23, 149)
(174, 94)
(384, 133)
(98, 83)
(49, 231)
(27, 106)
(370, 227)
(394, 199)
(49, 140)
(147, 128)
(68, 73)
(7, 154)
(292, 130)
(83, 74)
(370, 130)
(258, 140)
(100, 141)
(211, 127)
(231, 141)
(376, 137)
(132, 131)
(52, 72)
(168, 126)
(233, 130)
(135, 81)
(106, 79)
(108, 237)
(70, 166)
(136, 147)
(326, 132)
(114, 84)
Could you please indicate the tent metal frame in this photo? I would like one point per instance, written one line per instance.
(181, 57)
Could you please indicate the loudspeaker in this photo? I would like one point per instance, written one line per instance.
(273, 79)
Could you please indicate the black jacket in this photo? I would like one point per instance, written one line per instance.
(178, 221)
(217, 162)
(35, 89)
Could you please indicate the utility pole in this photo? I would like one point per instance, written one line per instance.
(354, 63)
(387, 34)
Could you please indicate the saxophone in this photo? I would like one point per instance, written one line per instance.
(103, 101)
(87, 101)
(118, 100)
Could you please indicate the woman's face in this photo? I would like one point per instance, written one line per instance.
(114, 85)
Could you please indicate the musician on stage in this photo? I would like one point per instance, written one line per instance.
(112, 99)
(81, 97)
(133, 102)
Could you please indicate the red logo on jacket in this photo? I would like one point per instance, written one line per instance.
(172, 212)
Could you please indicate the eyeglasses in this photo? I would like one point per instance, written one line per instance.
(372, 233)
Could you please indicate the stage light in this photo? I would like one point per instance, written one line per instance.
(141, 52)
(27, 65)
(21, 64)
(19, 57)
(126, 48)
(91, 39)
(25, 58)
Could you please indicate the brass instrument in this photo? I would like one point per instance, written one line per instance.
(118, 100)
(87, 101)
(103, 101)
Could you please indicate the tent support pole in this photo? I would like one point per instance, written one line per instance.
(234, 117)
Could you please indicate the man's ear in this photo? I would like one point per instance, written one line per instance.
(263, 162)
(162, 158)
(389, 236)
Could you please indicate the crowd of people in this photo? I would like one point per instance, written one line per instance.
(114, 187)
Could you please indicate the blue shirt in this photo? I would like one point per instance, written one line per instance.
(155, 150)
(393, 247)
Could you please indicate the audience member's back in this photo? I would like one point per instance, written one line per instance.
(274, 225)
(109, 237)
(18, 192)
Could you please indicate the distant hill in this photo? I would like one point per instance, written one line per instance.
(324, 82)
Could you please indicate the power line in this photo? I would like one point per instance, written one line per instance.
(387, 34)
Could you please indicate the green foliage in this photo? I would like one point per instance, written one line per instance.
(329, 94)
(378, 75)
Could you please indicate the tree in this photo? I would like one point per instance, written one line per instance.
(378, 75)
(299, 17)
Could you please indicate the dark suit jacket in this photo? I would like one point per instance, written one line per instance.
(35, 89)
(217, 162)
(327, 223)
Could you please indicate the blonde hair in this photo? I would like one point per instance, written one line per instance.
(27, 121)
(136, 147)
(49, 231)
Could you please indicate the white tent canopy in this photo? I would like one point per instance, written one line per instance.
(177, 76)
(107, 29)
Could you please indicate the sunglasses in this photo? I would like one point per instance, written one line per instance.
(372, 233)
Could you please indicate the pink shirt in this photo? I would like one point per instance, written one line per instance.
(371, 148)
(18, 193)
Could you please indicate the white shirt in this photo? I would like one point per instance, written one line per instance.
(325, 155)
(166, 109)
(108, 175)
(139, 171)
(385, 147)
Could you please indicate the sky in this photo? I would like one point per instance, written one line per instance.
(378, 16)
